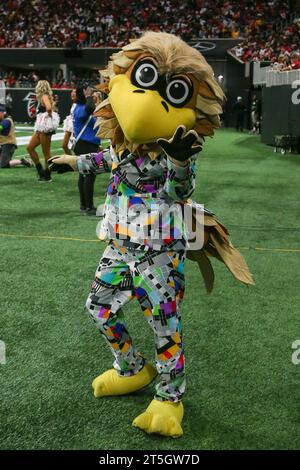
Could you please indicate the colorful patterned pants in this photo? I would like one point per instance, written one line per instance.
(156, 279)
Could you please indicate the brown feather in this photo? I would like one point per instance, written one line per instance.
(204, 266)
(103, 87)
(118, 70)
(105, 112)
(133, 54)
(218, 245)
(234, 261)
(205, 91)
(118, 135)
(208, 106)
(204, 127)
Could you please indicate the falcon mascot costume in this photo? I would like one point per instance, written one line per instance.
(162, 101)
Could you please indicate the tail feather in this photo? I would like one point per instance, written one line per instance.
(233, 259)
(205, 267)
(218, 245)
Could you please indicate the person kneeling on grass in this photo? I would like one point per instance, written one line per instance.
(8, 142)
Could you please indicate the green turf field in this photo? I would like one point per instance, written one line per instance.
(243, 390)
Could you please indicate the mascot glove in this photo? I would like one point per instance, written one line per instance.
(63, 163)
(182, 145)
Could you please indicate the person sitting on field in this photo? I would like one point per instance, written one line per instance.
(8, 142)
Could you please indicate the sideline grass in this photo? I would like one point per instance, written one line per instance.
(243, 390)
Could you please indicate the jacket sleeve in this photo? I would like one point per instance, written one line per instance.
(96, 163)
(180, 182)
(89, 106)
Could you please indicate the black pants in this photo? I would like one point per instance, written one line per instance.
(240, 122)
(6, 155)
(86, 182)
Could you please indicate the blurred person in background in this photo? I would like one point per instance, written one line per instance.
(86, 142)
(68, 127)
(239, 110)
(9, 104)
(255, 115)
(294, 62)
(8, 142)
(97, 97)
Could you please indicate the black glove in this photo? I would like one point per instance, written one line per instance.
(181, 147)
(59, 168)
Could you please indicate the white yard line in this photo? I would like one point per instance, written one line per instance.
(57, 152)
(21, 128)
(29, 128)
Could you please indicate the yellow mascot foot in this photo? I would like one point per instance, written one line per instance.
(161, 417)
(111, 383)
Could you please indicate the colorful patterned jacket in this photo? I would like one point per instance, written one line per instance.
(143, 208)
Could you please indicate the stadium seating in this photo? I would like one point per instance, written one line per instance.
(270, 29)
(57, 23)
(264, 43)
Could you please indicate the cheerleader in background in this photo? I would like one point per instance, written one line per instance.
(47, 121)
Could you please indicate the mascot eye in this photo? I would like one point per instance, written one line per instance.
(145, 75)
(178, 92)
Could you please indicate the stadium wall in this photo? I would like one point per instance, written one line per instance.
(280, 112)
(237, 84)
(215, 51)
(24, 103)
(96, 57)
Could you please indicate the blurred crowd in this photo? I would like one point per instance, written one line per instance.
(270, 29)
(63, 23)
(279, 45)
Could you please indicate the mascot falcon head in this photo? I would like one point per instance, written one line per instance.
(155, 84)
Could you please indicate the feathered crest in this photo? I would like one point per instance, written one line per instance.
(172, 55)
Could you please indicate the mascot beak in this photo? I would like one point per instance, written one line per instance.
(144, 116)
